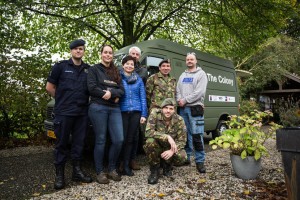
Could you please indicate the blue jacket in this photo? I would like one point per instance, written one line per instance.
(134, 98)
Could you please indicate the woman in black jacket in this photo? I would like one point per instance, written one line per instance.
(105, 87)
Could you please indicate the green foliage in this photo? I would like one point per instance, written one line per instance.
(247, 106)
(246, 135)
(278, 56)
(289, 112)
(22, 107)
(231, 29)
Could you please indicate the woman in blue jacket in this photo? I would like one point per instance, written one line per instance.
(133, 106)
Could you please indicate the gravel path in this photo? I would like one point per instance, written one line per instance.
(219, 182)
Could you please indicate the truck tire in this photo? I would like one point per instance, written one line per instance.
(220, 128)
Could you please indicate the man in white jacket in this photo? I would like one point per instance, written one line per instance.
(190, 94)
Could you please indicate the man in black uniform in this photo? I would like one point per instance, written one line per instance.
(67, 83)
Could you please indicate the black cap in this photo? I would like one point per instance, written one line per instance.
(77, 43)
(164, 61)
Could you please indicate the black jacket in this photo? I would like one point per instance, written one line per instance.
(98, 81)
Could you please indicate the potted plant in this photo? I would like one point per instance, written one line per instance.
(288, 143)
(245, 139)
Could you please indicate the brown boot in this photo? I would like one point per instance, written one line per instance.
(114, 175)
(102, 178)
(134, 165)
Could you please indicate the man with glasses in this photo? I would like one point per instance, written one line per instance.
(191, 89)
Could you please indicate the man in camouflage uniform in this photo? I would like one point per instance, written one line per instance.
(166, 138)
(160, 86)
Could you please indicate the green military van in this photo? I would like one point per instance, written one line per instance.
(222, 98)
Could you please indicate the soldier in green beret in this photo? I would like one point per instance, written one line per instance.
(166, 138)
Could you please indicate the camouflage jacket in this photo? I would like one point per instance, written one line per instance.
(157, 128)
(158, 88)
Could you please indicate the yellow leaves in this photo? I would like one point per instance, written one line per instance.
(44, 186)
(161, 195)
(36, 194)
(246, 192)
(202, 180)
(226, 145)
(100, 198)
(214, 146)
(180, 190)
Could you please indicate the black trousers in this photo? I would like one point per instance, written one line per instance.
(131, 122)
(64, 126)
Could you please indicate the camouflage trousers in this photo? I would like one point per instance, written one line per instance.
(155, 147)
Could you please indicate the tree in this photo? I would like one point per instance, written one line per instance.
(228, 28)
(23, 69)
(276, 57)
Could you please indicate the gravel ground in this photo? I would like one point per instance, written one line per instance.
(219, 182)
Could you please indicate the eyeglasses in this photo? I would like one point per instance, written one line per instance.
(191, 53)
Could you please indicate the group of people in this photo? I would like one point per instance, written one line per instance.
(117, 102)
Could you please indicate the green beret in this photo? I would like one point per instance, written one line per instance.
(167, 102)
(77, 43)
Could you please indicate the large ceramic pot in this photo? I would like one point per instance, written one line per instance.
(288, 143)
(247, 168)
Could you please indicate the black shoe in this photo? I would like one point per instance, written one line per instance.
(127, 171)
(200, 167)
(78, 175)
(187, 162)
(154, 175)
(60, 177)
(167, 169)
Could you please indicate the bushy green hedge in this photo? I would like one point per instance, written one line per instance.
(248, 106)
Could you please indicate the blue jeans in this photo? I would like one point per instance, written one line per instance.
(195, 131)
(106, 119)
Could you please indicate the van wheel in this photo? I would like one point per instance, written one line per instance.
(220, 128)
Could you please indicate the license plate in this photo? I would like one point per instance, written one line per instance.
(51, 134)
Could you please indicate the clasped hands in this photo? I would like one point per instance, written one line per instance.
(107, 96)
(166, 155)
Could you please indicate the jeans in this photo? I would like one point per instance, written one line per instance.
(195, 131)
(106, 119)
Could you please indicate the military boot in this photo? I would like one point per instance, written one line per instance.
(78, 175)
(60, 177)
(154, 175)
(200, 167)
(167, 168)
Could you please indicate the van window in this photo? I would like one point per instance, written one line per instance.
(152, 63)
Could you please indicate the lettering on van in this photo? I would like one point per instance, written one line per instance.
(216, 98)
(220, 79)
